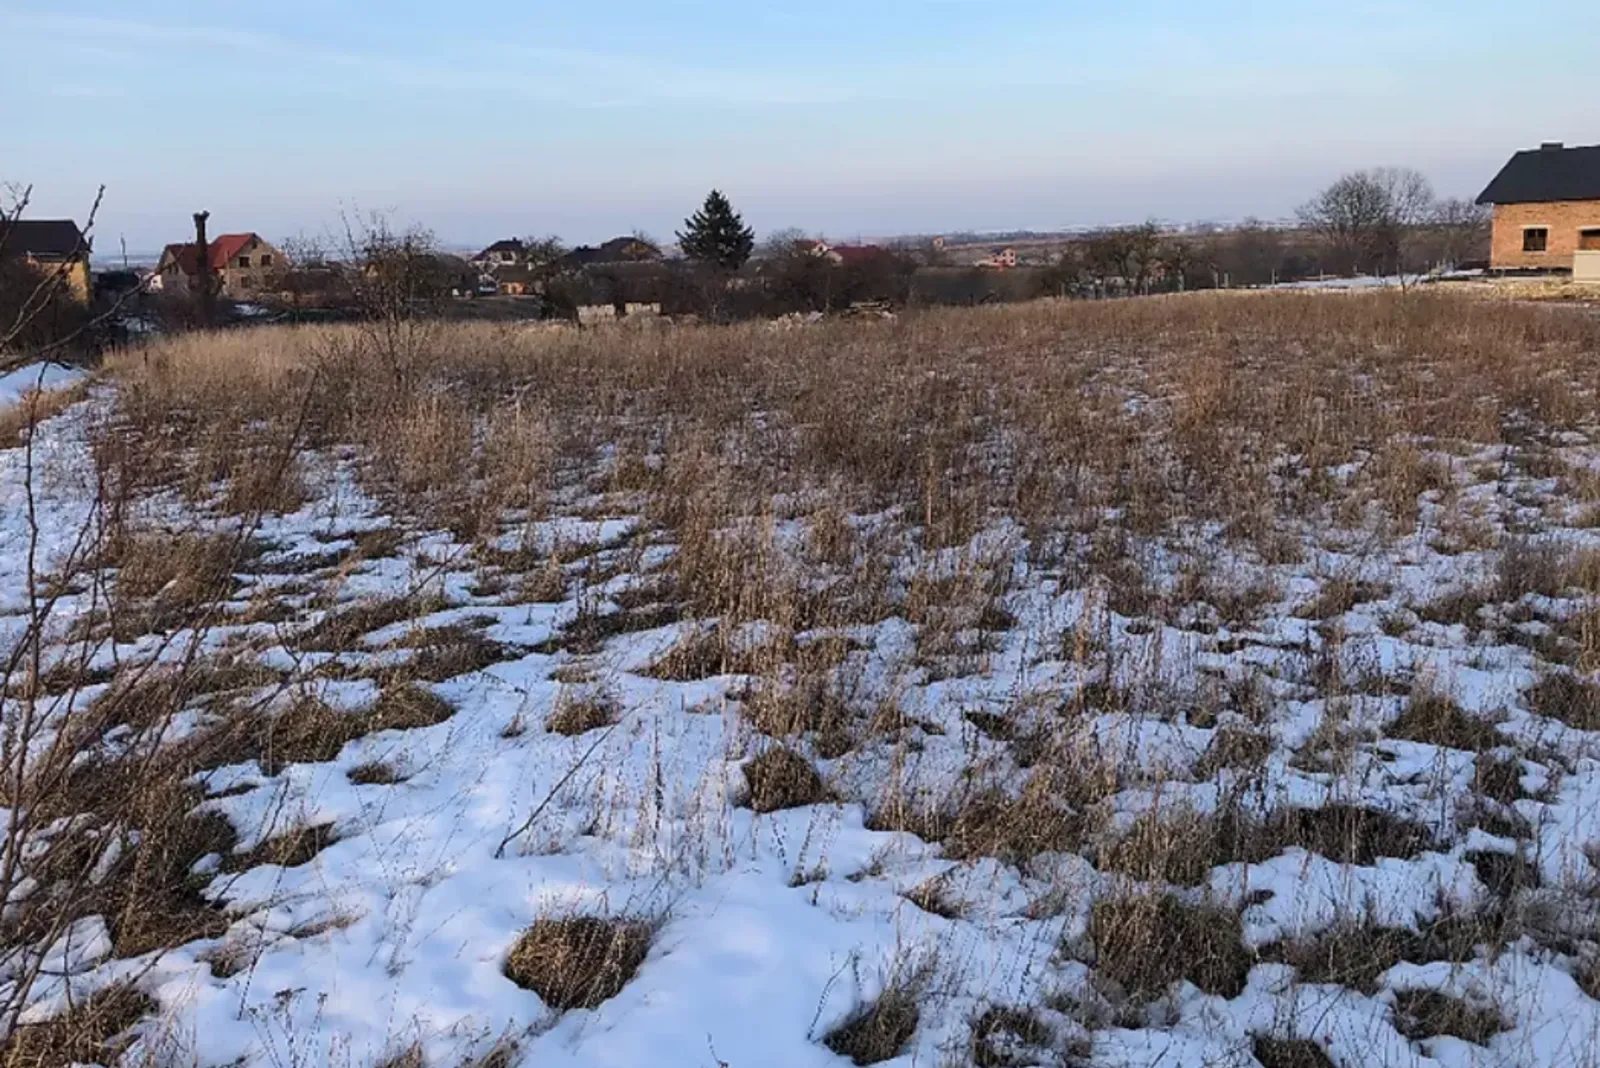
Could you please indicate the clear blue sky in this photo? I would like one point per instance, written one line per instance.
(850, 117)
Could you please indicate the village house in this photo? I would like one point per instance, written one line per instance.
(245, 265)
(999, 259)
(617, 250)
(508, 253)
(1547, 210)
(53, 247)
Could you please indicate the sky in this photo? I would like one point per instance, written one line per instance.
(852, 118)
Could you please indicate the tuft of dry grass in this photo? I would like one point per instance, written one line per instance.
(1147, 942)
(880, 1030)
(289, 849)
(1566, 697)
(579, 713)
(1289, 1053)
(1435, 719)
(781, 778)
(1006, 1037)
(1429, 1013)
(578, 962)
(92, 1032)
(1356, 954)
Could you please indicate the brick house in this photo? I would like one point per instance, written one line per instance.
(1546, 208)
(245, 266)
(53, 247)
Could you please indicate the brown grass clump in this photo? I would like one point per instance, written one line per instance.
(445, 653)
(312, 732)
(1564, 696)
(781, 778)
(374, 773)
(307, 732)
(1434, 719)
(342, 631)
(1147, 942)
(408, 706)
(1234, 747)
(1005, 1037)
(1357, 954)
(812, 705)
(878, 1031)
(1290, 1053)
(1349, 834)
(1543, 566)
(578, 962)
(578, 714)
(92, 1032)
(1428, 1014)
(289, 849)
(127, 857)
(987, 823)
(1179, 847)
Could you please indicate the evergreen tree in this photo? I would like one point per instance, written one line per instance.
(717, 235)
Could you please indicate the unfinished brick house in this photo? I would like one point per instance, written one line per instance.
(1546, 208)
(245, 265)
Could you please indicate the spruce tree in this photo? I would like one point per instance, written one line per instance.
(717, 235)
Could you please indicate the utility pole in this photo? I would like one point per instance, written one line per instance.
(202, 268)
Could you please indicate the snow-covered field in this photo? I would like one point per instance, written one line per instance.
(1111, 790)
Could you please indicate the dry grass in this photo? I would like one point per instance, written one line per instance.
(581, 712)
(1437, 720)
(1167, 457)
(1428, 1013)
(18, 420)
(1145, 943)
(93, 1032)
(781, 778)
(880, 1030)
(578, 962)
(1290, 1053)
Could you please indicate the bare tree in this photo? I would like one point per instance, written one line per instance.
(1366, 217)
(1461, 227)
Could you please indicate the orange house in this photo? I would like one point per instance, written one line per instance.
(1546, 208)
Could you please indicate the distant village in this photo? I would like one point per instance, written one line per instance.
(1541, 213)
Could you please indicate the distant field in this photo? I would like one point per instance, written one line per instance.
(1179, 681)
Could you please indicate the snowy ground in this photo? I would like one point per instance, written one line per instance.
(36, 376)
(771, 930)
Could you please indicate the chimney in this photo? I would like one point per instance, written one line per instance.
(1551, 146)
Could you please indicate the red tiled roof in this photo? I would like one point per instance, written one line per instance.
(852, 254)
(222, 249)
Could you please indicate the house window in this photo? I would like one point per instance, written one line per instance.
(1589, 240)
(266, 261)
(1535, 239)
(244, 261)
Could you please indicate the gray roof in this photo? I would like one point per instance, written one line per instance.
(47, 238)
(1549, 173)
